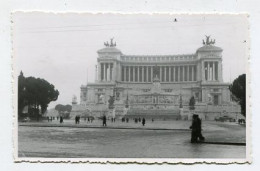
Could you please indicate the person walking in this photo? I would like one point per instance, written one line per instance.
(61, 119)
(104, 121)
(143, 121)
(194, 131)
(76, 119)
(200, 136)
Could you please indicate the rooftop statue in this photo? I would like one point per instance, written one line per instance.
(208, 41)
(112, 44)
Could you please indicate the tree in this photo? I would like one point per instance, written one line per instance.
(64, 110)
(238, 89)
(21, 93)
(36, 93)
(192, 103)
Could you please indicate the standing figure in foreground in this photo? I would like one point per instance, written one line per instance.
(196, 129)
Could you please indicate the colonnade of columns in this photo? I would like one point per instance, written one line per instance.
(211, 69)
(182, 73)
(106, 71)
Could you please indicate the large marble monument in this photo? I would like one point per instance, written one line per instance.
(137, 77)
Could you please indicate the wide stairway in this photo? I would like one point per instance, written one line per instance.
(161, 114)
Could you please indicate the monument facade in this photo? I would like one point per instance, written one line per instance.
(158, 86)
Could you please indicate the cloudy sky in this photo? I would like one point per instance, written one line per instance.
(61, 48)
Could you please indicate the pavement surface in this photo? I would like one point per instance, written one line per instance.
(159, 139)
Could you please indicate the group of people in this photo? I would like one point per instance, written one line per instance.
(241, 121)
(77, 119)
(125, 120)
(196, 129)
(140, 120)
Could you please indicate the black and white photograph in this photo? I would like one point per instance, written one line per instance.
(161, 87)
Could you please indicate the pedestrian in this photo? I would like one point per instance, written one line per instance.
(152, 120)
(88, 119)
(104, 121)
(127, 120)
(194, 129)
(143, 121)
(76, 119)
(61, 119)
(139, 119)
(200, 136)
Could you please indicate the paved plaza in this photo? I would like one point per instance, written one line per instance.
(159, 139)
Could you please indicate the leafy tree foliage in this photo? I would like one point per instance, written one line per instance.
(64, 110)
(238, 89)
(192, 103)
(36, 93)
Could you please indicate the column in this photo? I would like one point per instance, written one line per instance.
(179, 73)
(124, 73)
(151, 73)
(113, 72)
(108, 73)
(213, 71)
(188, 74)
(142, 73)
(203, 71)
(129, 73)
(147, 74)
(104, 71)
(165, 73)
(170, 73)
(192, 73)
(174, 71)
(138, 74)
(99, 71)
(160, 73)
(183, 73)
(208, 72)
(134, 74)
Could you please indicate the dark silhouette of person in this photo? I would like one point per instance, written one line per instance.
(104, 121)
(152, 119)
(200, 136)
(61, 119)
(127, 120)
(196, 129)
(143, 121)
(76, 119)
(139, 120)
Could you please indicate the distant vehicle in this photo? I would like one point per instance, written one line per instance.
(26, 119)
(225, 119)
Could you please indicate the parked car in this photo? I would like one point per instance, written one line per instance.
(26, 119)
(225, 119)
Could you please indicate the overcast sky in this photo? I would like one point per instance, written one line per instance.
(62, 48)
